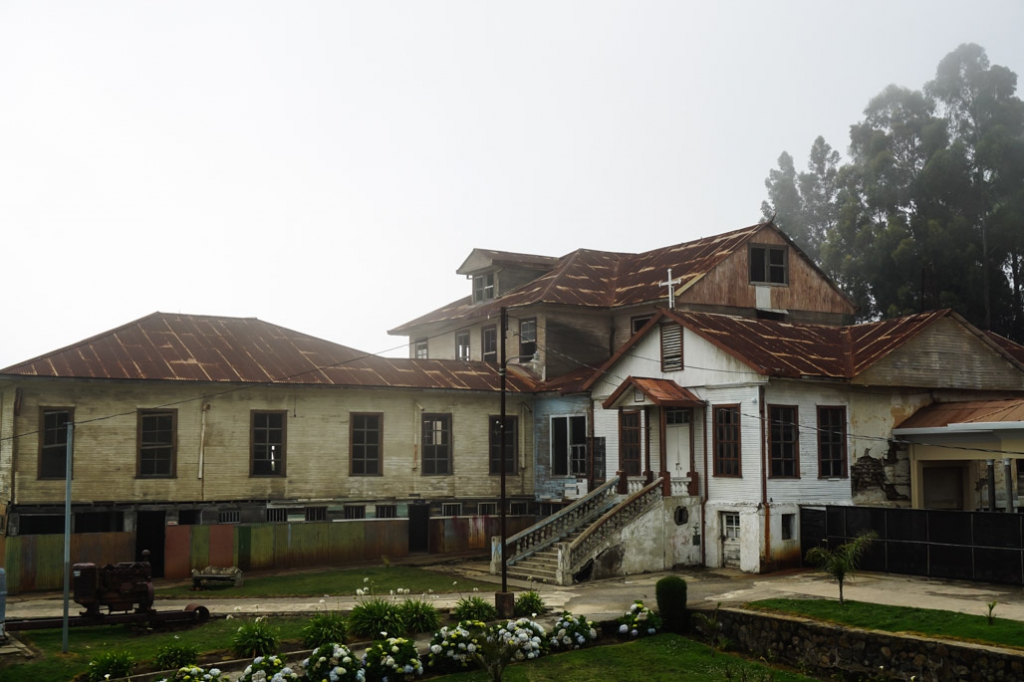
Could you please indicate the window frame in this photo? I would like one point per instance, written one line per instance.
(420, 349)
(483, 287)
(446, 419)
(463, 351)
(777, 446)
(760, 257)
(253, 442)
(490, 356)
(627, 445)
(494, 445)
(733, 444)
(54, 447)
(827, 429)
(527, 347)
(671, 358)
(637, 322)
(571, 464)
(141, 446)
(378, 457)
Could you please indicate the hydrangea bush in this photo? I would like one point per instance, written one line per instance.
(639, 621)
(529, 638)
(333, 663)
(268, 669)
(392, 660)
(452, 648)
(193, 673)
(571, 632)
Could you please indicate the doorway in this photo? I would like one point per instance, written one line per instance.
(150, 533)
(419, 528)
(730, 522)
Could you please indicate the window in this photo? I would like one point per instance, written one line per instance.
(419, 349)
(487, 509)
(277, 515)
(783, 442)
(437, 444)
(788, 524)
(53, 441)
(489, 344)
(354, 511)
(157, 443)
(637, 323)
(511, 440)
(483, 287)
(229, 516)
(671, 348)
(731, 525)
(569, 446)
(451, 509)
(268, 435)
(189, 517)
(678, 415)
(386, 511)
(316, 513)
(769, 265)
(832, 442)
(527, 338)
(629, 439)
(462, 346)
(366, 444)
(517, 508)
(727, 440)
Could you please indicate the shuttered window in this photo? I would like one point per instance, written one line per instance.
(671, 348)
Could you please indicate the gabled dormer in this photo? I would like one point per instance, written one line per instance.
(495, 273)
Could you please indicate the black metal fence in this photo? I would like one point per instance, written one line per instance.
(980, 546)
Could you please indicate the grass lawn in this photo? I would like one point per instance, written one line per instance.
(334, 582)
(85, 643)
(663, 658)
(903, 619)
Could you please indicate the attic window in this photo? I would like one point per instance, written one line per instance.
(769, 264)
(419, 349)
(671, 348)
(483, 287)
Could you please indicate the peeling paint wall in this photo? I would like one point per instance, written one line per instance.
(653, 542)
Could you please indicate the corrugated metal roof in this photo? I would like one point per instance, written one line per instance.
(968, 412)
(603, 279)
(661, 392)
(175, 347)
(783, 349)
(1014, 349)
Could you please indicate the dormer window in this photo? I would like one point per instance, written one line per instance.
(769, 265)
(483, 287)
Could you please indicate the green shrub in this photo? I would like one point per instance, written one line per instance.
(324, 628)
(671, 594)
(474, 608)
(176, 655)
(419, 616)
(373, 616)
(529, 604)
(254, 638)
(111, 665)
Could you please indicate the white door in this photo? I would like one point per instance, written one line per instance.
(730, 523)
(677, 450)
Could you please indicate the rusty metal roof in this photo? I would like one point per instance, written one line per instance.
(939, 415)
(603, 279)
(491, 257)
(1014, 349)
(661, 392)
(782, 349)
(175, 347)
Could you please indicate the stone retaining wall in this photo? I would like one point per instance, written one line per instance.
(861, 654)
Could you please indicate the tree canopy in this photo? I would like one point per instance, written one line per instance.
(928, 211)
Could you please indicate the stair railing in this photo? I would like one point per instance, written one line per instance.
(564, 522)
(571, 557)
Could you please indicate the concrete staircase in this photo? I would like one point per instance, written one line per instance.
(542, 566)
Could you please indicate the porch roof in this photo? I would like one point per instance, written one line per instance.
(964, 417)
(661, 392)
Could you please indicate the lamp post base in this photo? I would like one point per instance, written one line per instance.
(505, 603)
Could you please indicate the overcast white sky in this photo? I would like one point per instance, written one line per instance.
(327, 166)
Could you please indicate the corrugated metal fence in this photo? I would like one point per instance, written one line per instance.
(35, 562)
(980, 546)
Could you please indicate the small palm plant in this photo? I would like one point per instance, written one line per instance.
(841, 561)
